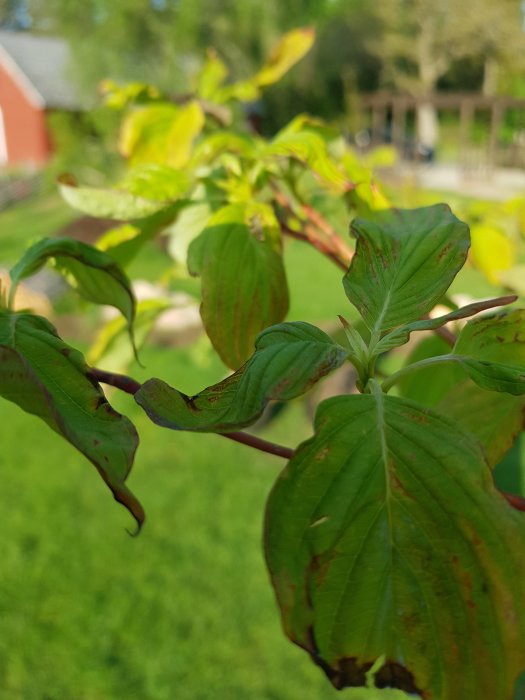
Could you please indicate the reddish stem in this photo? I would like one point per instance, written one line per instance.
(517, 502)
(260, 444)
(131, 386)
(316, 243)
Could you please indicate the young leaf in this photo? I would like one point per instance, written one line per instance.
(308, 148)
(161, 133)
(112, 204)
(405, 261)
(244, 286)
(49, 379)
(158, 182)
(288, 360)
(95, 275)
(213, 73)
(385, 537)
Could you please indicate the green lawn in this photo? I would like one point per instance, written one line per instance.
(183, 612)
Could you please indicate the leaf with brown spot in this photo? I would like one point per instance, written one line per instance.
(418, 560)
(45, 377)
(288, 360)
(405, 261)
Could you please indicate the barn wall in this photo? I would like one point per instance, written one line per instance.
(24, 125)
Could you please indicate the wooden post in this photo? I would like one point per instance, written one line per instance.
(378, 122)
(466, 115)
(399, 114)
(496, 116)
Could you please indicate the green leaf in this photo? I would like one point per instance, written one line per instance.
(385, 537)
(492, 350)
(289, 359)
(244, 286)
(405, 261)
(213, 73)
(94, 274)
(429, 385)
(161, 133)
(494, 418)
(158, 182)
(308, 148)
(106, 203)
(111, 349)
(400, 336)
(49, 379)
(125, 242)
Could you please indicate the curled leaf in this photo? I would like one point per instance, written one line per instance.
(49, 379)
(288, 360)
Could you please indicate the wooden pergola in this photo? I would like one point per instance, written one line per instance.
(388, 112)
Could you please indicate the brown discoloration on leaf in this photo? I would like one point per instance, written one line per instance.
(322, 454)
(319, 567)
(394, 675)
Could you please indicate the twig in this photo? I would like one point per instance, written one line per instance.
(120, 381)
(317, 231)
(316, 243)
(446, 335)
(260, 444)
(131, 386)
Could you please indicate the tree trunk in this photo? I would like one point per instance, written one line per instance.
(427, 125)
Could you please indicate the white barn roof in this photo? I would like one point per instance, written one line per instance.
(39, 64)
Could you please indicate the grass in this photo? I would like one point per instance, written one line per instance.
(30, 220)
(185, 611)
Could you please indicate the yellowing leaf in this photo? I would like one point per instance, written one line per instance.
(211, 76)
(492, 251)
(161, 133)
(290, 49)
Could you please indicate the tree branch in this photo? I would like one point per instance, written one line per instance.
(317, 231)
(131, 386)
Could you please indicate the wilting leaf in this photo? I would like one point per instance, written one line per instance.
(402, 335)
(110, 203)
(405, 261)
(244, 286)
(94, 274)
(161, 133)
(290, 49)
(492, 351)
(49, 379)
(289, 359)
(385, 537)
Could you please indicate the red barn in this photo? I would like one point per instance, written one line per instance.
(32, 82)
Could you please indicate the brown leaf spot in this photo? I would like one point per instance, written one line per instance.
(322, 454)
(394, 675)
(444, 252)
